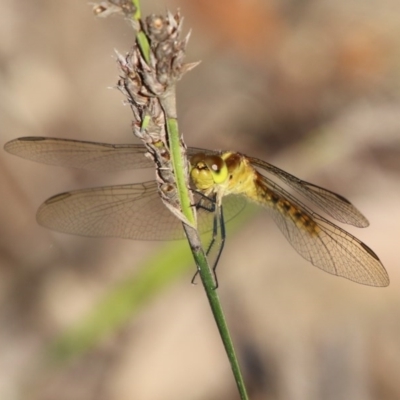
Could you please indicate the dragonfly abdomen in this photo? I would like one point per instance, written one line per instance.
(300, 218)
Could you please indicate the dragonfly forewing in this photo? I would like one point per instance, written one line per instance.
(92, 156)
(333, 204)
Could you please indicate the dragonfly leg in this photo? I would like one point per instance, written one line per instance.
(217, 220)
(201, 203)
(211, 244)
(220, 216)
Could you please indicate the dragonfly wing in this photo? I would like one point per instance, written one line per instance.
(324, 244)
(92, 156)
(126, 211)
(80, 154)
(232, 206)
(133, 211)
(333, 204)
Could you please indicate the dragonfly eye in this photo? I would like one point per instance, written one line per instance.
(207, 170)
(217, 167)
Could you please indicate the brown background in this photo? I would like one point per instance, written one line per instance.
(310, 86)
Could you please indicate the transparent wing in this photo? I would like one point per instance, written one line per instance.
(91, 156)
(126, 211)
(327, 247)
(333, 204)
(79, 154)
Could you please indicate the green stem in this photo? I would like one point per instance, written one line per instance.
(178, 164)
(207, 279)
(177, 153)
(192, 234)
(142, 40)
(138, 13)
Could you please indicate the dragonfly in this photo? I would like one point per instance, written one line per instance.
(229, 179)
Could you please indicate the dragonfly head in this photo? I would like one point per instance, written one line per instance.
(207, 170)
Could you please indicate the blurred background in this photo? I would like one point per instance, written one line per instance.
(310, 86)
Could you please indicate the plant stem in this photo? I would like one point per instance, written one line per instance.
(180, 169)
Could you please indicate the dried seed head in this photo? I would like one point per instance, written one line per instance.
(107, 8)
(147, 81)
